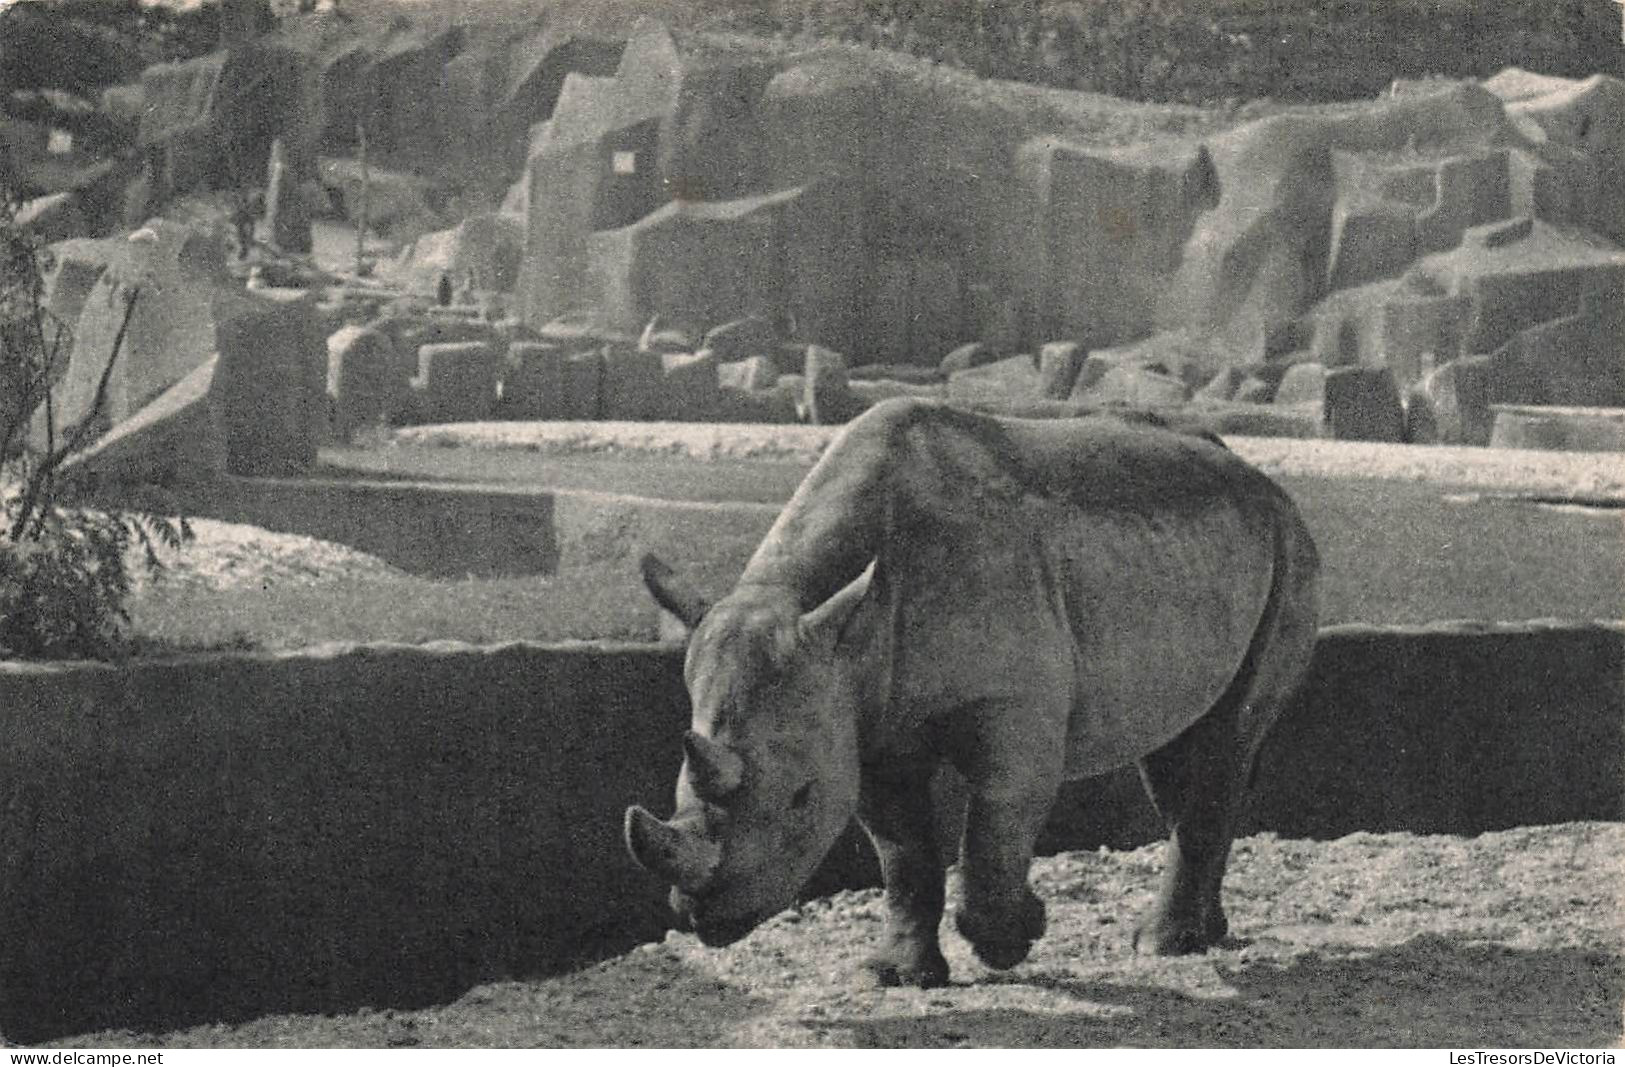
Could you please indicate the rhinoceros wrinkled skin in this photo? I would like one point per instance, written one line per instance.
(1030, 600)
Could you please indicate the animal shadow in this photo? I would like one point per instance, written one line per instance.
(1429, 992)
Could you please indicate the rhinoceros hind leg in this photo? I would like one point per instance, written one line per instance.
(895, 810)
(1193, 781)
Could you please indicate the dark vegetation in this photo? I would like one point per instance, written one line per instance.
(64, 570)
(1188, 51)
(1210, 51)
(83, 46)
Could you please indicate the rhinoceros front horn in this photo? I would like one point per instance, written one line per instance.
(683, 858)
(715, 770)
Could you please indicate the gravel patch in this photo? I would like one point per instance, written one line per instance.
(1510, 939)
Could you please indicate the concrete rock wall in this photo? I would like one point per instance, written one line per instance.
(963, 212)
(228, 836)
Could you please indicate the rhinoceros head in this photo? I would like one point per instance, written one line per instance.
(770, 769)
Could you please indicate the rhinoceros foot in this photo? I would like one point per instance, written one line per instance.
(1162, 934)
(1003, 938)
(908, 962)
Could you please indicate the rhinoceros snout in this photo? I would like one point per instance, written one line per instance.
(714, 931)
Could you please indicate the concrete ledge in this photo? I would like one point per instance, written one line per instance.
(441, 530)
(1486, 468)
(225, 836)
(433, 529)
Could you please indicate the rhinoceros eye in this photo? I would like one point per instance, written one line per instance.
(800, 797)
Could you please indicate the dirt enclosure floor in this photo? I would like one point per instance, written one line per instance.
(1507, 939)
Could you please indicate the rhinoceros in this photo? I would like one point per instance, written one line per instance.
(1030, 600)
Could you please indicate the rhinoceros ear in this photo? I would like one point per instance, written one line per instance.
(671, 593)
(830, 618)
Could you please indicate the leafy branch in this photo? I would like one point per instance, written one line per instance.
(64, 570)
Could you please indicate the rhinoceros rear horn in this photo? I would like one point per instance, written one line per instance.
(832, 615)
(671, 593)
(714, 770)
(683, 858)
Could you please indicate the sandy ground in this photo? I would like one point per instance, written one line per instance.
(1571, 473)
(1506, 939)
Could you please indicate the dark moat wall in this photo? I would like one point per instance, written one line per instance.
(234, 835)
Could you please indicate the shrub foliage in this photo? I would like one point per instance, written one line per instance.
(64, 569)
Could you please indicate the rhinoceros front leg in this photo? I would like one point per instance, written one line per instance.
(895, 810)
(1013, 763)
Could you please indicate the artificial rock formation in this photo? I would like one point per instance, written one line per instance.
(893, 217)
(257, 358)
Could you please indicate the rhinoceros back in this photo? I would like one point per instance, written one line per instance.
(1021, 575)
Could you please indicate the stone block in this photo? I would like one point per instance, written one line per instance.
(1370, 241)
(1007, 381)
(966, 356)
(1416, 329)
(663, 339)
(1258, 420)
(270, 384)
(871, 392)
(631, 384)
(583, 386)
(1090, 371)
(256, 408)
(1574, 360)
(1223, 385)
(177, 438)
(1138, 387)
(430, 329)
(1303, 383)
(826, 397)
(773, 405)
(1254, 390)
(743, 339)
(365, 386)
(286, 215)
(1451, 405)
(1499, 234)
(577, 333)
(458, 381)
(757, 372)
(1559, 429)
(688, 390)
(908, 373)
(534, 382)
(1058, 365)
(1363, 404)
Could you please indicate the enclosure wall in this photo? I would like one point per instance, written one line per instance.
(233, 835)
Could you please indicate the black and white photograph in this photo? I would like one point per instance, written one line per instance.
(812, 525)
